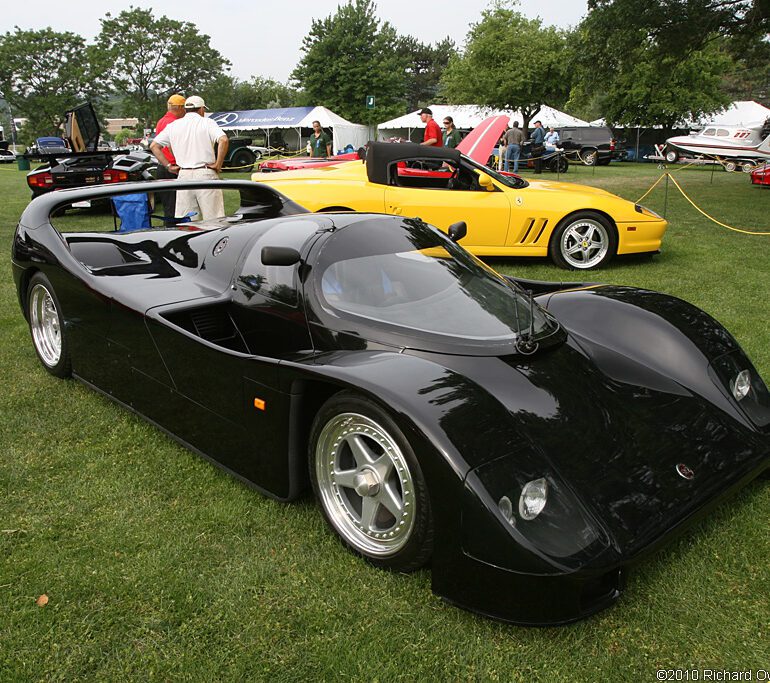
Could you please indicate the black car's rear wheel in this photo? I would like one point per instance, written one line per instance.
(369, 484)
(582, 241)
(46, 326)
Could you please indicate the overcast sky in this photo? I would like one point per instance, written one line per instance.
(264, 38)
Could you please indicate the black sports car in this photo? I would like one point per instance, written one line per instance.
(84, 163)
(530, 446)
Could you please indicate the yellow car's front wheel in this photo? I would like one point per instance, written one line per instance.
(583, 241)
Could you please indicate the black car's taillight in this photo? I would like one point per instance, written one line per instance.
(40, 180)
(114, 176)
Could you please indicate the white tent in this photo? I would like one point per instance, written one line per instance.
(746, 113)
(467, 116)
(295, 119)
(742, 113)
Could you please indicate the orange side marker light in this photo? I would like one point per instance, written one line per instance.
(259, 404)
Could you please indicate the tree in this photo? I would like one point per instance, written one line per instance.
(510, 62)
(257, 93)
(42, 74)
(148, 59)
(348, 56)
(425, 65)
(653, 62)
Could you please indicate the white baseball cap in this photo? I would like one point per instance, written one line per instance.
(194, 102)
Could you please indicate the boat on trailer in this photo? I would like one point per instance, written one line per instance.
(735, 146)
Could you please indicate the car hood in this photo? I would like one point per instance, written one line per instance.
(615, 432)
(480, 142)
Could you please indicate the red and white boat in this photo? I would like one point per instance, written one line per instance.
(738, 146)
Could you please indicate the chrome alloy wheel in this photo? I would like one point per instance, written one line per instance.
(365, 485)
(45, 325)
(585, 243)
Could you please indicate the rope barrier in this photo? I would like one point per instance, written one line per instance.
(696, 207)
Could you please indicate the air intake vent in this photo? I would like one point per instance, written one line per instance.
(534, 230)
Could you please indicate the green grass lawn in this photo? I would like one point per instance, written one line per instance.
(158, 566)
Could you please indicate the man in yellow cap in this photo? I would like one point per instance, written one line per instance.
(168, 199)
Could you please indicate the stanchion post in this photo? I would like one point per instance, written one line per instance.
(665, 198)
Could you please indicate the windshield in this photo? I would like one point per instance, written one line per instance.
(511, 181)
(409, 279)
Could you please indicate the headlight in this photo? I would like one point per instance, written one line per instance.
(541, 513)
(741, 384)
(645, 211)
(735, 375)
(533, 498)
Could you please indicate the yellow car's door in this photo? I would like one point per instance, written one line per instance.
(486, 213)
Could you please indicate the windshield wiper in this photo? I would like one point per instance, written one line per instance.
(525, 341)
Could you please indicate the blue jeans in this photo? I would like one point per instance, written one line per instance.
(515, 151)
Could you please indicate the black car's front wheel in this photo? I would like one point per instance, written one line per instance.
(46, 326)
(369, 484)
(583, 241)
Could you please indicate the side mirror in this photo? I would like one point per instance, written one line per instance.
(279, 256)
(457, 231)
(486, 182)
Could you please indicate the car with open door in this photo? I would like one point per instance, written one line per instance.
(78, 161)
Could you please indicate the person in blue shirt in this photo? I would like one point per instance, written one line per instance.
(537, 137)
(551, 139)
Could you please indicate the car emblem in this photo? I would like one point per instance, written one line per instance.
(684, 471)
(219, 247)
(519, 201)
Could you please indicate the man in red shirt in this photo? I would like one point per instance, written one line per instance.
(432, 136)
(175, 111)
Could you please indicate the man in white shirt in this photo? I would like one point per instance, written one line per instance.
(191, 139)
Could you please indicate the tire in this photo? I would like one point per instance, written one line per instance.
(672, 156)
(730, 165)
(748, 166)
(243, 157)
(257, 154)
(558, 164)
(369, 484)
(46, 325)
(590, 156)
(583, 241)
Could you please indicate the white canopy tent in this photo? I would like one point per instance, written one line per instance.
(295, 119)
(468, 116)
(741, 113)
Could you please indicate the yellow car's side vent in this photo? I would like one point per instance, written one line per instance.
(535, 229)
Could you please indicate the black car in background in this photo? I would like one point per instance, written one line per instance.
(81, 163)
(596, 145)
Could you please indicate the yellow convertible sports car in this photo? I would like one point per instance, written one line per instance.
(577, 226)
